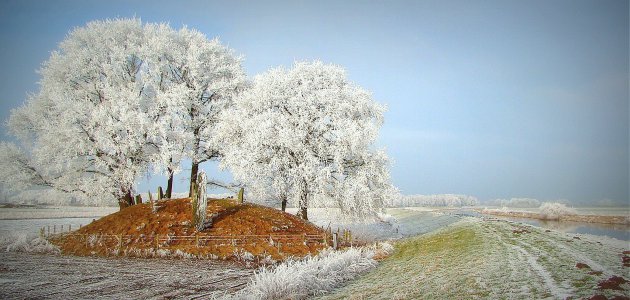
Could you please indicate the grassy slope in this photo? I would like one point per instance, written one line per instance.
(489, 259)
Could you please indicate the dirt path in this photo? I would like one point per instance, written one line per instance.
(58, 277)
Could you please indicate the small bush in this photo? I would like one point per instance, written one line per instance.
(317, 275)
(553, 211)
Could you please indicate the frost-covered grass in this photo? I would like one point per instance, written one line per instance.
(494, 260)
(413, 221)
(30, 276)
(299, 279)
(28, 243)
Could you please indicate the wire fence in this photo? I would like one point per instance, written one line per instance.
(166, 240)
(64, 233)
(159, 241)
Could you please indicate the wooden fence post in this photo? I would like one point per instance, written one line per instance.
(119, 242)
(157, 241)
(350, 237)
(138, 199)
(335, 241)
(199, 202)
(240, 195)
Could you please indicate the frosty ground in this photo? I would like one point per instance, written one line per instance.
(437, 255)
(40, 276)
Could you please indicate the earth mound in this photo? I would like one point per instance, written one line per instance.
(247, 232)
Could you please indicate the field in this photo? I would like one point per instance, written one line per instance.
(437, 255)
(54, 212)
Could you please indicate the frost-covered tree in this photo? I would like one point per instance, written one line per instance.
(85, 131)
(198, 78)
(304, 134)
(117, 99)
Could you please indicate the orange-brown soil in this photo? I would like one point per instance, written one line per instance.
(236, 229)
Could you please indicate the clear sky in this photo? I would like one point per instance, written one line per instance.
(495, 99)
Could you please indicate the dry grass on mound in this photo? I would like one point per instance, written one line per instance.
(237, 231)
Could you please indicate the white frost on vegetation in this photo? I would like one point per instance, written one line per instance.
(119, 100)
(515, 202)
(299, 279)
(443, 200)
(546, 211)
(26, 243)
(553, 211)
(306, 135)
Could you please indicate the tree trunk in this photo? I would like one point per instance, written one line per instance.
(169, 184)
(138, 200)
(303, 213)
(284, 204)
(125, 201)
(193, 177)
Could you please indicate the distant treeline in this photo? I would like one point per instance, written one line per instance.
(447, 200)
(514, 202)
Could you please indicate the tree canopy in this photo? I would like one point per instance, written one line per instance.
(304, 135)
(117, 98)
(120, 99)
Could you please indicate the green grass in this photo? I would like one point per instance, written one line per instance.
(475, 259)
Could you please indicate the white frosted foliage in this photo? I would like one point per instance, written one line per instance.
(117, 100)
(554, 210)
(305, 134)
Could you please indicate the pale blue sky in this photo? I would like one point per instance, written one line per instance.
(495, 99)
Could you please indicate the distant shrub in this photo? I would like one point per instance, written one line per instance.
(553, 211)
(515, 202)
